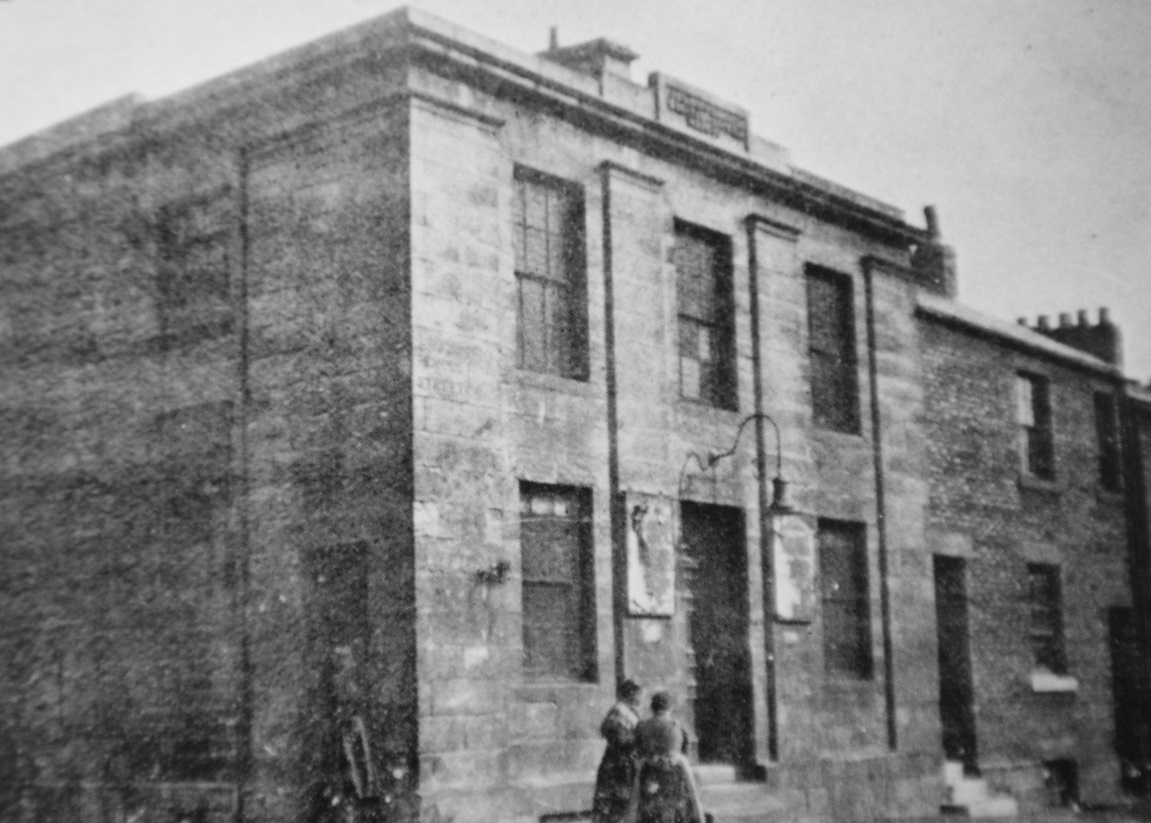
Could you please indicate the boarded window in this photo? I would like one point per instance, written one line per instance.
(844, 599)
(831, 341)
(558, 593)
(1033, 414)
(550, 276)
(1045, 600)
(1107, 436)
(706, 317)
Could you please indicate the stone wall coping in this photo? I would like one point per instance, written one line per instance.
(956, 314)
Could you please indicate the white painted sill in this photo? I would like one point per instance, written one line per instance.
(1043, 681)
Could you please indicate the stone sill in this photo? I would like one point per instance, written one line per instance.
(555, 383)
(1045, 682)
(1039, 484)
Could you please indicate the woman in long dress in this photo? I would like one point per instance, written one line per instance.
(615, 795)
(667, 790)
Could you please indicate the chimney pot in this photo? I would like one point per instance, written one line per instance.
(932, 221)
(1043, 324)
(554, 38)
(1064, 319)
(1082, 318)
(1104, 315)
(1022, 321)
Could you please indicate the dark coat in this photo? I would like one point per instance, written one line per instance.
(667, 791)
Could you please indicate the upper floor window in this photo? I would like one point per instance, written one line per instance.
(1045, 600)
(1107, 435)
(550, 276)
(844, 598)
(558, 582)
(1033, 414)
(831, 334)
(706, 317)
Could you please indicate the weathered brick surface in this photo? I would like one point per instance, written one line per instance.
(978, 503)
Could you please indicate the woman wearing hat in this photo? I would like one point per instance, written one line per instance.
(615, 782)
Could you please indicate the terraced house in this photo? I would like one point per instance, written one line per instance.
(381, 406)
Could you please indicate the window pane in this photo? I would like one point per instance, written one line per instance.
(1025, 403)
(706, 323)
(535, 252)
(547, 637)
(531, 327)
(1046, 622)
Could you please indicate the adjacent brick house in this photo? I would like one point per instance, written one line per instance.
(403, 377)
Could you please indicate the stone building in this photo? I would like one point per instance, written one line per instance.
(408, 384)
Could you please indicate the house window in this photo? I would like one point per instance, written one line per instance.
(844, 598)
(831, 332)
(1033, 411)
(558, 588)
(706, 318)
(1107, 435)
(1046, 625)
(550, 290)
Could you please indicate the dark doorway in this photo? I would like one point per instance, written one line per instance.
(715, 583)
(956, 693)
(1129, 711)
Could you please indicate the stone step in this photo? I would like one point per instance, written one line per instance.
(742, 802)
(992, 807)
(708, 773)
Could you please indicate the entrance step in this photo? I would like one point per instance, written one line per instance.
(728, 800)
(970, 797)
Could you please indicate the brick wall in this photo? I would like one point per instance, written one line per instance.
(981, 509)
(206, 419)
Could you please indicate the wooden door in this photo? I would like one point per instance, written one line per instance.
(715, 565)
(956, 692)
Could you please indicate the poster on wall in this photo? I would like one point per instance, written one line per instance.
(650, 556)
(793, 547)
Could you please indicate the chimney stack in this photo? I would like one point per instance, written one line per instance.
(933, 260)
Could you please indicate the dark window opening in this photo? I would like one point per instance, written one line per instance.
(550, 276)
(705, 306)
(1107, 435)
(1045, 602)
(1033, 414)
(844, 599)
(558, 582)
(831, 342)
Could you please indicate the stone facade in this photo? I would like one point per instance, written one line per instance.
(266, 439)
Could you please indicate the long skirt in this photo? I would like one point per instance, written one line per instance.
(615, 788)
(667, 791)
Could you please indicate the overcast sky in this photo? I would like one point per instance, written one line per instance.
(1026, 122)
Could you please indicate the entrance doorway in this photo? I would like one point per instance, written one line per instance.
(1129, 711)
(715, 582)
(956, 692)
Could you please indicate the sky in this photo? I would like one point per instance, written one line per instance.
(1026, 123)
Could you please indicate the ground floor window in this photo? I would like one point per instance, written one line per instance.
(558, 582)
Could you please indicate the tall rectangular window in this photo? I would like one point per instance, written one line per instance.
(831, 334)
(1033, 414)
(550, 276)
(1107, 436)
(706, 317)
(558, 582)
(844, 598)
(1045, 601)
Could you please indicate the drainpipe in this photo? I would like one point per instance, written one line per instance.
(617, 514)
(243, 581)
(880, 507)
(768, 570)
